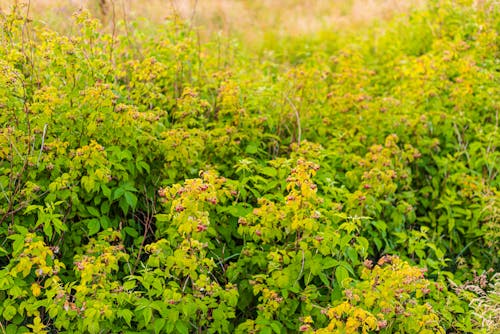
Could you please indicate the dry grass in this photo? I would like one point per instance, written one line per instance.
(247, 18)
(483, 295)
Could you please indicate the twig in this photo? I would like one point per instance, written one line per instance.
(113, 35)
(43, 143)
(193, 13)
(463, 145)
(4, 193)
(301, 268)
(297, 116)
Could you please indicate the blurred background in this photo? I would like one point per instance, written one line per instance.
(244, 18)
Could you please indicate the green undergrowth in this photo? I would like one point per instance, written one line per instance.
(339, 183)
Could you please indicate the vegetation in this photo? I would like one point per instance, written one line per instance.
(338, 183)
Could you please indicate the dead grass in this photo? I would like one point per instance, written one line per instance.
(246, 18)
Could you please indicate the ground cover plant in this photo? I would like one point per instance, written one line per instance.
(341, 182)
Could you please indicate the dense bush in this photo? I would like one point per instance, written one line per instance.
(150, 183)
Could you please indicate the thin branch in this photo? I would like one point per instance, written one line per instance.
(5, 193)
(462, 144)
(193, 13)
(301, 268)
(297, 116)
(42, 145)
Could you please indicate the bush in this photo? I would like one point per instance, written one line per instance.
(152, 183)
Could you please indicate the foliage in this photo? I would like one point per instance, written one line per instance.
(152, 183)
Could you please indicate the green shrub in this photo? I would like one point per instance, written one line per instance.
(153, 183)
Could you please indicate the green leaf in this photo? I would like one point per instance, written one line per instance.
(129, 285)
(118, 193)
(182, 327)
(161, 217)
(21, 229)
(124, 205)
(88, 183)
(105, 222)
(131, 199)
(106, 191)
(18, 244)
(363, 242)
(380, 225)
(315, 266)
(345, 240)
(251, 148)
(128, 186)
(93, 211)
(126, 314)
(142, 165)
(94, 226)
(348, 267)
(148, 314)
(131, 231)
(173, 315)
(341, 274)
(47, 229)
(159, 324)
(352, 255)
(9, 312)
(93, 326)
(324, 279)
(276, 326)
(11, 329)
(329, 263)
(105, 206)
(269, 171)
(239, 210)
(266, 330)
